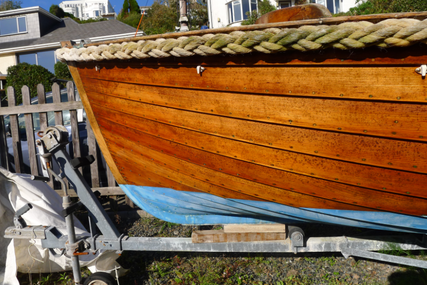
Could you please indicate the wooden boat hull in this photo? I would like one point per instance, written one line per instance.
(331, 136)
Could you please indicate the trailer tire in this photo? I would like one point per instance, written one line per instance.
(100, 278)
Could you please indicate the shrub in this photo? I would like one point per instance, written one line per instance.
(57, 11)
(30, 75)
(159, 19)
(387, 6)
(132, 19)
(62, 71)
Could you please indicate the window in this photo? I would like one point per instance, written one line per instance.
(46, 59)
(11, 26)
(284, 4)
(238, 9)
(96, 13)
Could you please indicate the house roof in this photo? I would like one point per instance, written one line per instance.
(28, 10)
(69, 29)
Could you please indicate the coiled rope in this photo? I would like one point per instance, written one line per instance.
(345, 36)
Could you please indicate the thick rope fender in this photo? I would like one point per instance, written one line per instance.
(345, 36)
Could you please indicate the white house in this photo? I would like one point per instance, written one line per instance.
(86, 9)
(144, 9)
(224, 13)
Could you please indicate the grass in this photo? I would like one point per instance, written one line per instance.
(205, 269)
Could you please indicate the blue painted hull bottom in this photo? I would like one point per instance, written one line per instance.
(193, 208)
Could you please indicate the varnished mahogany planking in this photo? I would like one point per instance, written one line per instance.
(395, 154)
(386, 119)
(330, 169)
(195, 162)
(75, 73)
(144, 176)
(389, 83)
(181, 182)
(274, 145)
(193, 175)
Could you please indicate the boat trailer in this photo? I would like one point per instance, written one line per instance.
(52, 145)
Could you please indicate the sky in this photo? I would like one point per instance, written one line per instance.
(45, 4)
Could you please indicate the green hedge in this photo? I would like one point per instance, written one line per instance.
(62, 71)
(387, 6)
(30, 75)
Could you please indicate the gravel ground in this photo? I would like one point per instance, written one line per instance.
(277, 269)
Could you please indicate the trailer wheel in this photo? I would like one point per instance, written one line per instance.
(100, 278)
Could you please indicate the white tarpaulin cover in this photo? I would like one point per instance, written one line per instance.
(23, 255)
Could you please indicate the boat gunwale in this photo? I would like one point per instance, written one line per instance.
(319, 21)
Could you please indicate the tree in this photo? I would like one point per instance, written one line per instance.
(125, 8)
(301, 2)
(9, 5)
(132, 19)
(60, 13)
(161, 18)
(197, 15)
(57, 11)
(387, 6)
(129, 6)
(62, 71)
(264, 7)
(134, 7)
(30, 75)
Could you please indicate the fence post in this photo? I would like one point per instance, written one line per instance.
(29, 126)
(93, 150)
(75, 136)
(56, 93)
(14, 131)
(3, 145)
(41, 96)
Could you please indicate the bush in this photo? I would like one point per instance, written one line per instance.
(387, 6)
(62, 71)
(132, 19)
(160, 19)
(30, 75)
(57, 11)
